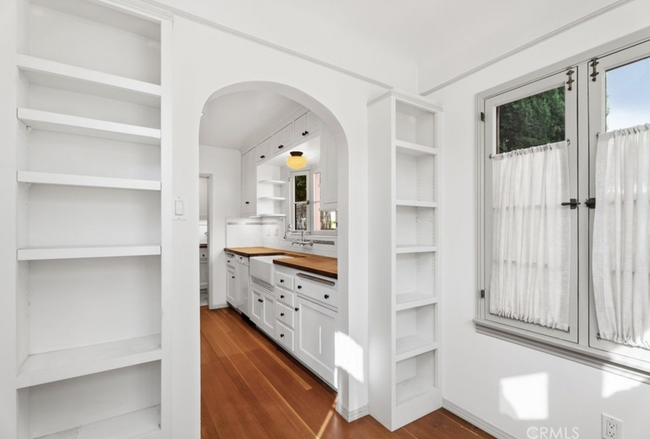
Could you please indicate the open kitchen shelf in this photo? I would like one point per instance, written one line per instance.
(86, 181)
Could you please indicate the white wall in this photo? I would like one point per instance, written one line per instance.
(224, 166)
(493, 379)
(206, 60)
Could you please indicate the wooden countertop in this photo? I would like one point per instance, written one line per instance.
(322, 265)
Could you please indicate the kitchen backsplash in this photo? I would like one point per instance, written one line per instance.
(267, 232)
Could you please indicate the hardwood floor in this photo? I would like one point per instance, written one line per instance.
(253, 389)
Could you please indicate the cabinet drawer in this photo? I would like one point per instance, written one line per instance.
(284, 336)
(285, 296)
(285, 314)
(284, 280)
(318, 288)
(230, 260)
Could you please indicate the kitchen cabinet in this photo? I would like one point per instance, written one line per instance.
(242, 285)
(282, 139)
(267, 314)
(305, 125)
(263, 150)
(315, 335)
(257, 301)
(329, 172)
(231, 286)
(249, 184)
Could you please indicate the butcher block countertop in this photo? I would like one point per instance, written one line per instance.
(300, 261)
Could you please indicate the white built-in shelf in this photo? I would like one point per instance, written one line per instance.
(46, 253)
(412, 388)
(402, 249)
(86, 181)
(52, 74)
(413, 300)
(81, 126)
(272, 198)
(139, 424)
(414, 149)
(271, 215)
(412, 345)
(275, 182)
(416, 203)
(70, 363)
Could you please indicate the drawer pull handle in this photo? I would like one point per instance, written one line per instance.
(300, 287)
(296, 309)
(281, 314)
(327, 296)
(281, 281)
(281, 296)
(233, 277)
(316, 279)
(260, 300)
(281, 335)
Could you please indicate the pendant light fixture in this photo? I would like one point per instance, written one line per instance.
(296, 160)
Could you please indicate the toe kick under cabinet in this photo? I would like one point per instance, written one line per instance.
(306, 308)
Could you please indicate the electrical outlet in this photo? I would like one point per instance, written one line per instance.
(612, 427)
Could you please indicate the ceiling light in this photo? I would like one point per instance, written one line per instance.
(296, 160)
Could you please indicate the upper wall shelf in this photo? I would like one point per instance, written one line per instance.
(70, 363)
(57, 75)
(416, 203)
(86, 181)
(274, 182)
(48, 253)
(81, 126)
(402, 249)
(414, 149)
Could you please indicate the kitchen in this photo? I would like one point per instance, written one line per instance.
(280, 254)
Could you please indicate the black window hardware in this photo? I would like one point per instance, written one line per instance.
(572, 202)
(590, 203)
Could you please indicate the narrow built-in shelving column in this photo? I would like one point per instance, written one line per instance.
(93, 196)
(404, 379)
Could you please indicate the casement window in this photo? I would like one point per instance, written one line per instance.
(564, 211)
(307, 213)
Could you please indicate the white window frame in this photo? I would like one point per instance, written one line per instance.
(314, 171)
(294, 174)
(587, 348)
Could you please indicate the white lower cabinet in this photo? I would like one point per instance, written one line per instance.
(285, 337)
(257, 300)
(268, 314)
(315, 338)
(231, 286)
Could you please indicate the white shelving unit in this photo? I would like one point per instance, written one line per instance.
(404, 378)
(270, 192)
(92, 245)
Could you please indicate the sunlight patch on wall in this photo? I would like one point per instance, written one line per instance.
(524, 397)
(349, 356)
(612, 384)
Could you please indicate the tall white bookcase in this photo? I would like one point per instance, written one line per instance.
(404, 315)
(94, 210)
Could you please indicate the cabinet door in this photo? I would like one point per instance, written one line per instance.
(312, 123)
(262, 150)
(329, 172)
(231, 287)
(282, 139)
(300, 127)
(268, 315)
(249, 184)
(257, 300)
(315, 332)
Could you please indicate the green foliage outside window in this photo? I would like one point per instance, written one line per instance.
(532, 121)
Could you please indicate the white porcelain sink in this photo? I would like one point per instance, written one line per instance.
(261, 267)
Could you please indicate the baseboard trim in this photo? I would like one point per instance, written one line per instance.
(353, 415)
(219, 306)
(475, 420)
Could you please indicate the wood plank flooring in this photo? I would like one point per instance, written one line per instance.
(250, 388)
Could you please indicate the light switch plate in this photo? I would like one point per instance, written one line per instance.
(178, 209)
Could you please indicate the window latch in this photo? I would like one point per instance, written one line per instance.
(594, 72)
(572, 202)
(590, 203)
(570, 81)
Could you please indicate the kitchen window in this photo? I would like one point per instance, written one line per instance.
(307, 212)
(551, 274)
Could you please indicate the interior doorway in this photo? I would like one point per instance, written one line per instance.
(204, 235)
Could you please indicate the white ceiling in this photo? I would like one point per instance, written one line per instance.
(440, 38)
(237, 120)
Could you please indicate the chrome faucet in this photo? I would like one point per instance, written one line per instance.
(302, 241)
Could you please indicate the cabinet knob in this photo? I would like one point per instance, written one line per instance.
(248, 202)
(281, 296)
(260, 300)
(281, 281)
(305, 133)
(300, 287)
(281, 146)
(233, 277)
(296, 309)
(281, 335)
(327, 296)
(281, 314)
(262, 156)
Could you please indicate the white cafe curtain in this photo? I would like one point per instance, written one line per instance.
(531, 234)
(621, 239)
